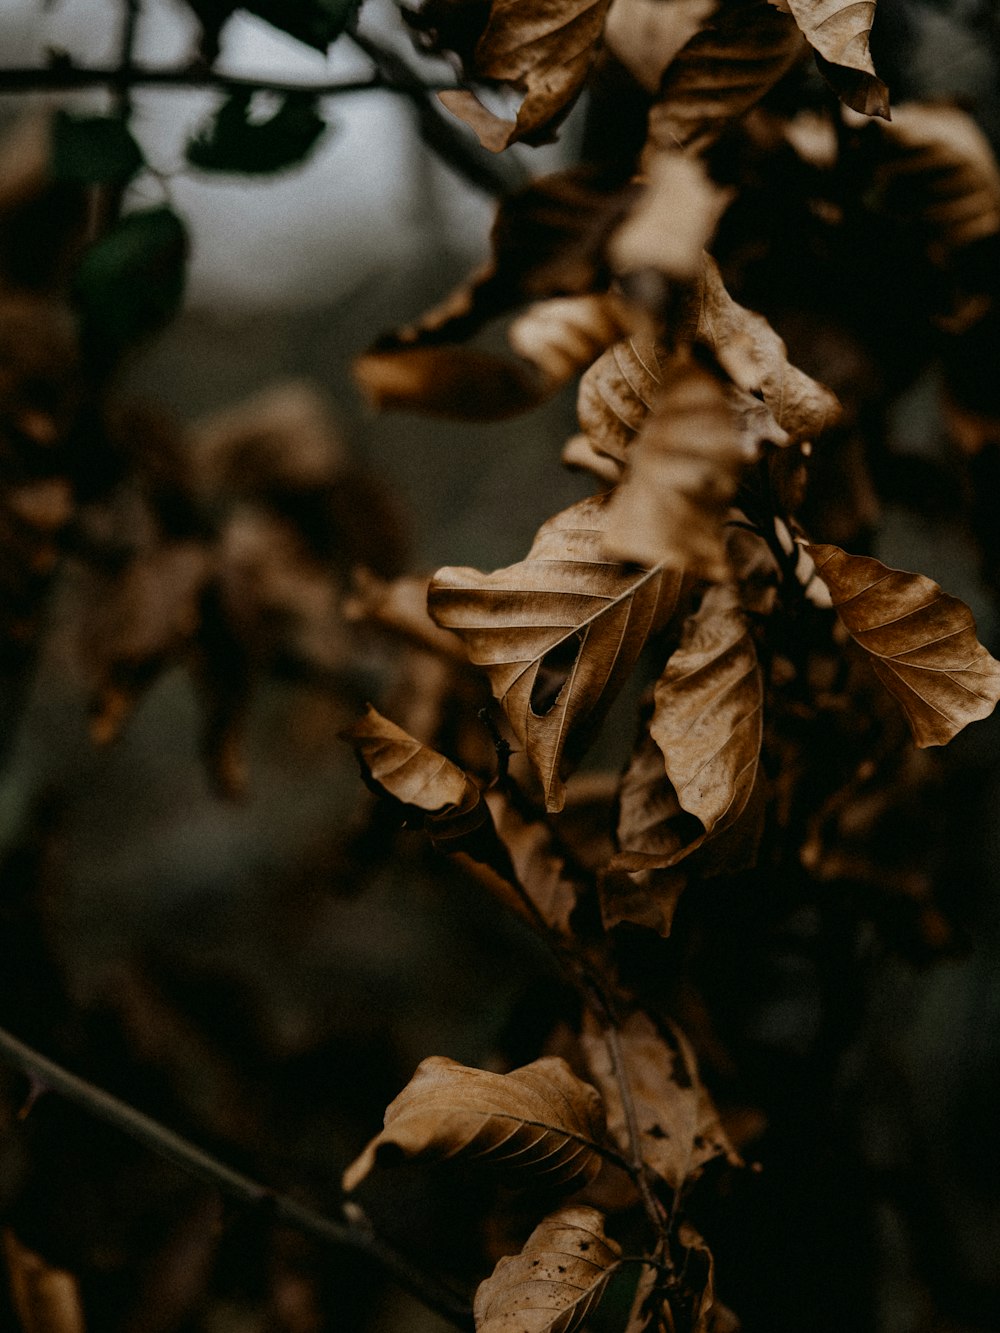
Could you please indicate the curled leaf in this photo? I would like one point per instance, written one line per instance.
(412, 773)
(679, 1127)
(682, 472)
(536, 1125)
(839, 31)
(558, 633)
(545, 49)
(616, 395)
(708, 712)
(920, 641)
(556, 1280)
(756, 359)
(741, 52)
(554, 339)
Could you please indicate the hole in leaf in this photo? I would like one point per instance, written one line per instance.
(553, 673)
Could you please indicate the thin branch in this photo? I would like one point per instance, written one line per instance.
(64, 76)
(46, 1075)
(438, 129)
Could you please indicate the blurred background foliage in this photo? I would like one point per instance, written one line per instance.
(241, 947)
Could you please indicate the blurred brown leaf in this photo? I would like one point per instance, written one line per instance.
(645, 35)
(742, 50)
(45, 1299)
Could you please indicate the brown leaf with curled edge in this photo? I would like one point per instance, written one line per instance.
(679, 1127)
(617, 393)
(45, 1299)
(555, 1282)
(920, 641)
(839, 31)
(562, 335)
(654, 832)
(558, 633)
(539, 865)
(645, 35)
(681, 473)
(741, 52)
(538, 1125)
(410, 772)
(937, 165)
(756, 359)
(554, 339)
(544, 48)
(707, 718)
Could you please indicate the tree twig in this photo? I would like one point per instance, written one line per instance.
(499, 176)
(49, 1076)
(64, 76)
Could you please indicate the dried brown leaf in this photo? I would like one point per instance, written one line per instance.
(555, 339)
(547, 240)
(459, 382)
(646, 898)
(45, 1299)
(399, 605)
(558, 633)
(402, 768)
(540, 866)
(920, 641)
(147, 617)
(839, 31)
(741, 52)
(938, 165)
(680, 476)
(536, 1125)
(679, 1127)
(645, 35)
(282, 437)
(556, 1280)
(673, 219)
(756, 359)
(708, 713)
(616, 395)
(546, 49)
(654, 831)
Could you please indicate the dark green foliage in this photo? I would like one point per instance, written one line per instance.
(315, 22)
(231, 141)
(93, 150)
(131, 281)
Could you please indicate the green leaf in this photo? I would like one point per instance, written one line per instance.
(231, 141)
(315, 22)
(131, 281)
(93, 150)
